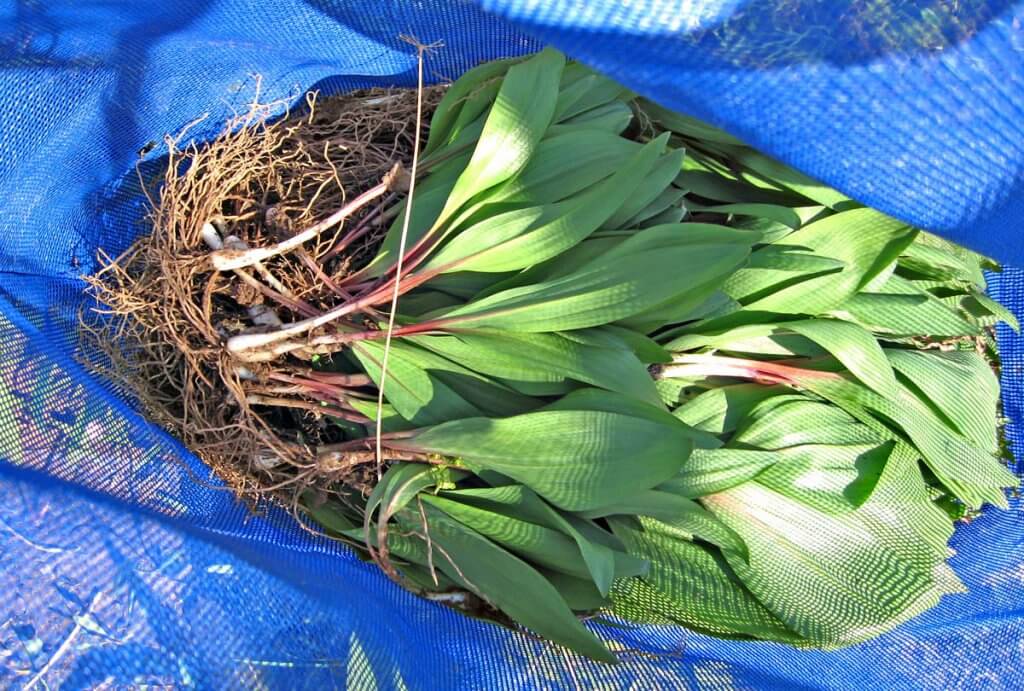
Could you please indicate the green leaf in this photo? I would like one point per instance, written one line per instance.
(720, 409)
(579, 593)
(715, 187)
(673, 214)
(713, 470)
(973, 475)
(771, 212)
(961, 385)
(511, 585)
(832, 478)
(829, 577)
(450, 106)
(997, 310)
(904, 315)
(849, 343)
(854, 347)
(331, 516)
(678, 512)
(573, 458)
(615, 285)
(774, 267)
(536, 543)
(398, 486)
(652, 185)
(613, 117)
(787, 177)
(689, 584)
(426, 388)
(392, 421)
(428, 201)
(602, 552)
(863, 239)
(596, 399)
(564, 165)
(417, 396)
(781, 422)
(544, 358)
(522, 111)
(589, 92)
(523, 237)
(668, 200)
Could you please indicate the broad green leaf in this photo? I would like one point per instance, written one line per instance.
(425, 388)
(521, 113)
(904, 315)
(595, 545)
(417, 396)
(330, 516)
(829, 577)
(511, 585)
(689, 584)
(536, 543)
(523, 237)
(609, 402)
(596, 399)
(973, 475)
(780, 422)
(787, 177)
(487, 395)
(854, 347)
(615, 285)
(544, 358)
(577, 459)
(579, 593)
(771, 212)
(997, 310)
(716, 188)
(865, 240)
(612, 117)
(720, 409)
(399, 485)
(565, 263)
(463, 284)
(849, 343)
(777, 266)
(678, 512)
(564, 164)
(673, 214)
(645, 348)
(707, 471)
(832, 478)
(669, 198)
(586, 93)
(429, 199)
(940, 263)
(448, 109)
(392, 421)
(652, 185)
(961, 385)
(424, 301)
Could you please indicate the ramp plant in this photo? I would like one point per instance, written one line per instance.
(637, 370)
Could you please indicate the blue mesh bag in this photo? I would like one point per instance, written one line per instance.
(123, 561)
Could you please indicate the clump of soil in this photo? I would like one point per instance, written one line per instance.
(164, 313)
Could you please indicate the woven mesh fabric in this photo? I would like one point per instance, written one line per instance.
(123, 563)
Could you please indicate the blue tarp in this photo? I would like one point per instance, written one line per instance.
(121, 560)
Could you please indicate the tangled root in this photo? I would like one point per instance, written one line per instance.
(165, 313)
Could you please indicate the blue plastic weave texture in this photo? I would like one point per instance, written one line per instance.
(122, 564)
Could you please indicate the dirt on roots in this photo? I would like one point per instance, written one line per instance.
(164, 313)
